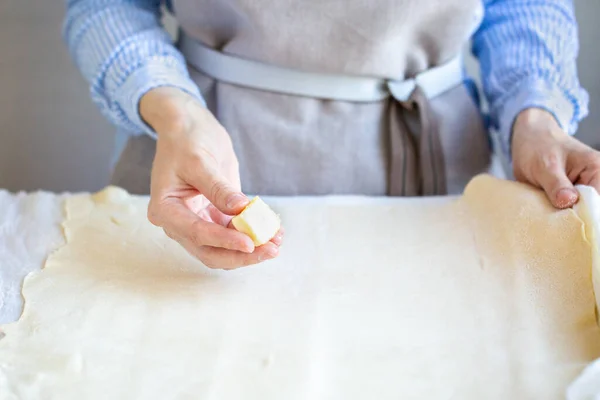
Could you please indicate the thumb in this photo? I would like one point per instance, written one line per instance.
(225, 196)
(558, 186)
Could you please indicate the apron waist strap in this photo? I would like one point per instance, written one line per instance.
(242, 72)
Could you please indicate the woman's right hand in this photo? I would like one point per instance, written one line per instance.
(195, 184)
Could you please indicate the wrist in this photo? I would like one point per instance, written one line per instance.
(535, 122)
(537, 117)
(168, 109)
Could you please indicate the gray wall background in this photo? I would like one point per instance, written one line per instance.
(53, 138)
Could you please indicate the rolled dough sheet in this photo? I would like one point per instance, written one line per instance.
(486, 297)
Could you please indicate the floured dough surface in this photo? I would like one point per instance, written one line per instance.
(485, 297)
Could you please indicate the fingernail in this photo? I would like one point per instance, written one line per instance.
(567, 192)
(235, 201)
(566, 197)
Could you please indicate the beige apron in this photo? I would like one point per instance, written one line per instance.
(294, 145)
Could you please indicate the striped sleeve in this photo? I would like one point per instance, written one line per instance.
(527, 51)
(122, 51)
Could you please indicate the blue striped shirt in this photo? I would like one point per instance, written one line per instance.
(527, 51)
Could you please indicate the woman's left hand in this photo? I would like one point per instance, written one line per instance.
(547, 157)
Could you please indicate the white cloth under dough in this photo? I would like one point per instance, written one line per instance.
(587, 385)
(489, 297)
(29, 231)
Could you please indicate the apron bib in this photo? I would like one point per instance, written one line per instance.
(294, 145)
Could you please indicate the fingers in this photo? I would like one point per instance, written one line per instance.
(547, 157)
(559, 188)
(278, 239)
(213, 244)
(218, 258)
(588, 166)
(180, 223)
(207, 178)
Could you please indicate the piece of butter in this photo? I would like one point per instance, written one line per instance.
(258, 221)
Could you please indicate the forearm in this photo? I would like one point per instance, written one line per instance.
(122, 51)
(527, 52)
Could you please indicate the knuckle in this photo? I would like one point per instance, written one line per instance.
(205, 155)
(218, 189)
(550, 161)
(192, 165)
(593, 161)
(200, 159)
(197, 234)
(194, 160)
